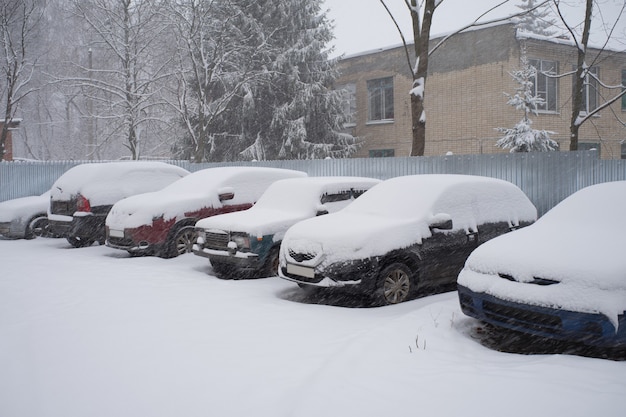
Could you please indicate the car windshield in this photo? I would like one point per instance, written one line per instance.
(290, 196)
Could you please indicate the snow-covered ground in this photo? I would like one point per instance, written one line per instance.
(94, 332)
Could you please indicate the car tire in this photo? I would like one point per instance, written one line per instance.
(38, 227)
(394, 284)
(181, 242)
(78, 242)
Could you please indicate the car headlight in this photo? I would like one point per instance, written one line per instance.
(243, 242)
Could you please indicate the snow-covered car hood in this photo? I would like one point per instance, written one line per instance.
(345, 235)
(579, 245)
(256, 221)
(141, 209)
(24, 207)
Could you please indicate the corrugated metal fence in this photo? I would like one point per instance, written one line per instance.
(547, 178)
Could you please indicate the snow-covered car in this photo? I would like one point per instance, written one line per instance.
(562, 278)
(162, 222)
(82, 197)
(405, 234)
(26, 217)
(245, 244)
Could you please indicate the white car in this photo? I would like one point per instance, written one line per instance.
(563, 278)
(162, 222)
(246, 243)
(403, 235)
(26, 217)
(82, 197)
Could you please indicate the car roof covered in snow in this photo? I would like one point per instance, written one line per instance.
(108, 182)
(468, 199)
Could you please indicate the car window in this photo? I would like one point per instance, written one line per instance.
(341, 196)
(334, 197)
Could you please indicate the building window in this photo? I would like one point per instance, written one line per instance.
(624, 88)
(623, 143)
(590, 90)
(380, 98)
(381, 153)
(545, 83)
(348, 103)
(589, 146)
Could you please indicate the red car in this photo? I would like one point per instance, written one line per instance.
(162, 223)
(82, 197)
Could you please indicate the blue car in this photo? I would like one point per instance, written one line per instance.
(563, 278)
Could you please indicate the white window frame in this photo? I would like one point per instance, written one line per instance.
(590, 90)
(380, 100)
(546, 85)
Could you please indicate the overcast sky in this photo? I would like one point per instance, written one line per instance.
(363, 25)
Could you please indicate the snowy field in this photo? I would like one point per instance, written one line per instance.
(93, 332)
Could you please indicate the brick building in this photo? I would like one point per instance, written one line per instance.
(465, 101)
(8, 144)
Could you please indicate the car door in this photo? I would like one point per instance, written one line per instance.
(443, 255)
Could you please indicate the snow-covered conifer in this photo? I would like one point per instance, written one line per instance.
(537, 20)
(287, 107)
(522, 137)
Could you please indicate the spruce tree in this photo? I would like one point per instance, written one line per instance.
(522, 137)
(291, 112)
(537, 20)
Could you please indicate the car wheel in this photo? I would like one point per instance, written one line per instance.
(183, 241)
(394, 284)
(38, 227)
(78, 242)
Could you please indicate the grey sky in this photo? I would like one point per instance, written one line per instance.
(363, 25)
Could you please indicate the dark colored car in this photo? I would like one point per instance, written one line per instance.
(403, 235)
(245, 244)
(25, 218)
(81, 198)
(562, 278)
(162, 222)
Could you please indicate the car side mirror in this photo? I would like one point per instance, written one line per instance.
(321, 210)
(226, 193)
(441, 221)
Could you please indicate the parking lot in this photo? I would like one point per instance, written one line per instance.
(95, 332)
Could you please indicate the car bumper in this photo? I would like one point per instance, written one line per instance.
(243, 261)
(129, 245)
(83, 227)
(587, 328)
(357, 275)
(11, 230)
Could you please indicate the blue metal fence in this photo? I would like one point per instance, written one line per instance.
(547, 178)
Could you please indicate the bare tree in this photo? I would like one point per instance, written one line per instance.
(19, 23)
(421, 16)
(131, 34)
(582, 73)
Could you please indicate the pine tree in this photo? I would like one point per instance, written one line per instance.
(292, 112)
(522, 137)
(537, 20)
